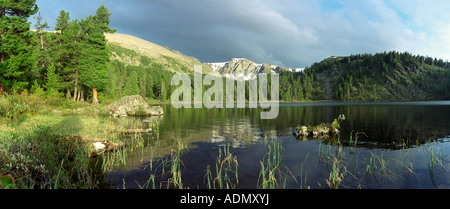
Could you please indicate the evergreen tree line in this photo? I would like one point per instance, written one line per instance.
(149, 80)
(299, 86)
(73, 60)
(383, 76)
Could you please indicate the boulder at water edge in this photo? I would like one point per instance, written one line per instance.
(133, 105)
(323, 130)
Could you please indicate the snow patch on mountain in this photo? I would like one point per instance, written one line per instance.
(244, 69)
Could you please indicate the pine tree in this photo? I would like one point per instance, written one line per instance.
(40, 26)
(16, 43)
(149, 86)
(102, 18)
(163, 92)
(94, 62)
(142, 84)
(52, 83)
(42, 50)
(132, 84)
(300, 93)
(62, 22)
(66, 53)
(340, 92)
(69, 51)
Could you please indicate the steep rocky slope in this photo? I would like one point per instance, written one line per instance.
(245, 69)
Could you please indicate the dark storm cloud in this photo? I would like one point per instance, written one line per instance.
(288, 33)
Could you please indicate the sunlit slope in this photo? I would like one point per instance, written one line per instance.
(135, 51)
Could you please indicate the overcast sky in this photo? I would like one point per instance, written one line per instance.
(290, 33)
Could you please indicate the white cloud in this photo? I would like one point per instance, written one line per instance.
(429, 21)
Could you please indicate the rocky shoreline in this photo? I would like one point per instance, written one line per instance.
(133, 105)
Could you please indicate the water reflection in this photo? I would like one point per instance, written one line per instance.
(142, 122)
(391, 125)
(396, 127)
(239, 133)
(386, 125)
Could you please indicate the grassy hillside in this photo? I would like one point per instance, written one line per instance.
(134, 51)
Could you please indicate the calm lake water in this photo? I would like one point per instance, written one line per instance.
(404, 145)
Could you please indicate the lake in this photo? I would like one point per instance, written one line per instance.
(381, 145)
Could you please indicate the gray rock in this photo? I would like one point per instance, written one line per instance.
(100, 147)
(323, 130)
(133, 106)
(302, 131)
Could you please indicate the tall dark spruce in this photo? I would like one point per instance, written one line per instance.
(16, 43)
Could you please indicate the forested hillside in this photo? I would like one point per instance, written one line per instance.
(388, 76)
(144, 68)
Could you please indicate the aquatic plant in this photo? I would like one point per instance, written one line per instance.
(225, 163)
(176, 169)
(179, 144)
(337, 122)
(353, 140)
(270, 167)
(338, 167)
(303, 174)
(336, 157)
(433, 157)
(379, 163)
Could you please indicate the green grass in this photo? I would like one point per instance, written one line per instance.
(43, 148)
(122, 51)
(43, 159)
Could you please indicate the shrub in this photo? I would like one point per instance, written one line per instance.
(47, 160)
(13, 106)
(37, 90)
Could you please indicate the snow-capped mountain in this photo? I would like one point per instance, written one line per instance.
(245, 69)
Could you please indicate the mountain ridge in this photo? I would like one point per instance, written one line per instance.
(237, 68)
(388, 76)
(245, 69)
